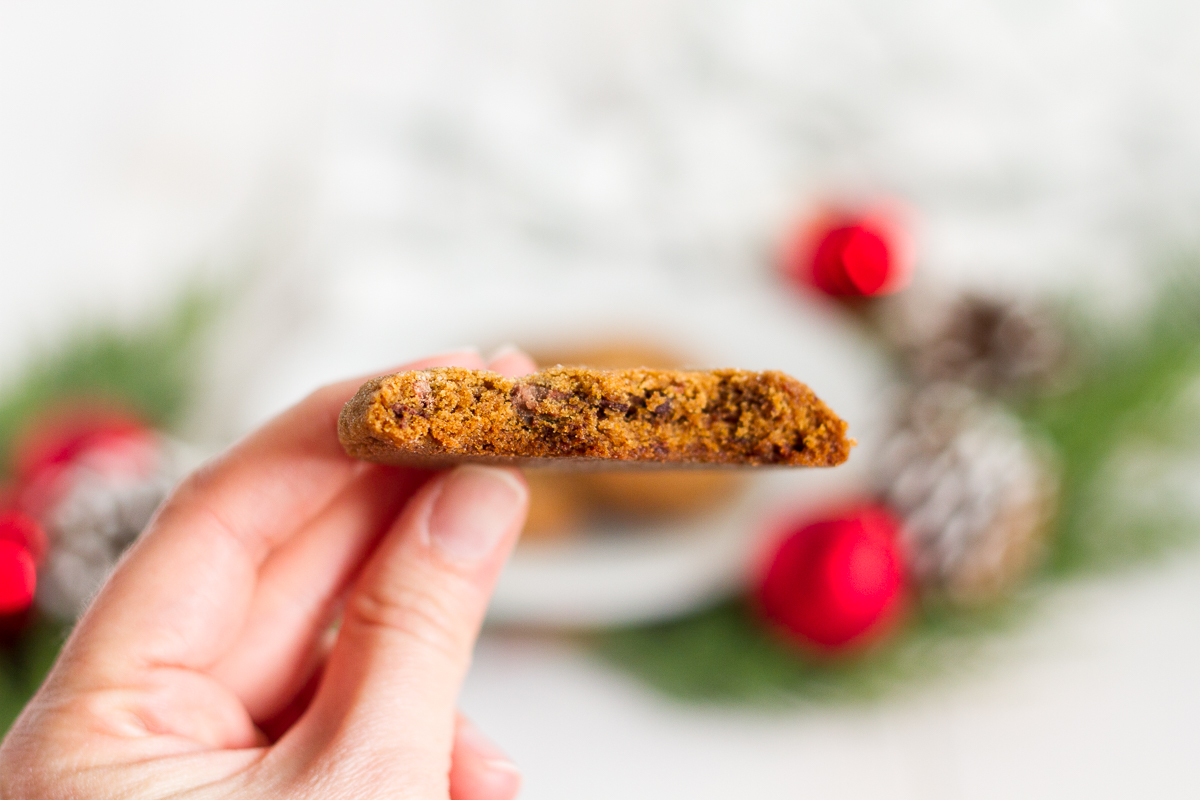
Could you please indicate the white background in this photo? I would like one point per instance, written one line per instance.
(395, 178)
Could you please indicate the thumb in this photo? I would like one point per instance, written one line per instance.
(385, 711)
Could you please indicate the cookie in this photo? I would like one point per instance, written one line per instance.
(449, 415)
(639, 495)
(615, 354)
(557, 507)
(659, 494)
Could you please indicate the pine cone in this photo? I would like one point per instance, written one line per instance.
(997, 345)
(975, 494)
(99, 512)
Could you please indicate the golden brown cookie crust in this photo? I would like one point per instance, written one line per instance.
(646, 416)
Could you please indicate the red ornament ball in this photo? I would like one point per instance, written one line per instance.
(18, 578)
(59, 439)
(837, 583)
(105, 439)
(23, 530)
(851, 255)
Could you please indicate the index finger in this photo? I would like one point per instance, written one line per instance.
(180, 595)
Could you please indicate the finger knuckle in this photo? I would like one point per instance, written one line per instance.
(197, 484)
(430, 619)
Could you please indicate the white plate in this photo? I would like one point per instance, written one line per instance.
(638, 574)
(606, 577)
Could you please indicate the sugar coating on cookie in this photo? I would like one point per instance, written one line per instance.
(669, 417)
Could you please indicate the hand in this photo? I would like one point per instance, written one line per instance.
(209, 665)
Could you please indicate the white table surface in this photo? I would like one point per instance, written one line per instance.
(512, 152)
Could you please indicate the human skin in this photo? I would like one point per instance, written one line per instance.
(209, 666)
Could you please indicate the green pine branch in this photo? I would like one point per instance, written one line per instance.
(724, 654)
(1128, 395)
(149, 369)
(1129, 402)
(24, 665)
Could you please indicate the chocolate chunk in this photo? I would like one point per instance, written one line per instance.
(404, 410)
(613, 408)
(525, 398)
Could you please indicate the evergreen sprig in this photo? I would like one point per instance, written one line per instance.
(725, 654)
(1129, 401)
(24, 664)
(1128, 396)
(149, 369)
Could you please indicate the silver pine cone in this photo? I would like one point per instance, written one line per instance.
(999, 345)
(100, 514)
(974, 492)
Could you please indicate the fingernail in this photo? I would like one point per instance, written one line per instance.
(473, 510)
(511, 361)
(490, 754)
(503, 351)
(504, 767)
(458, 356)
